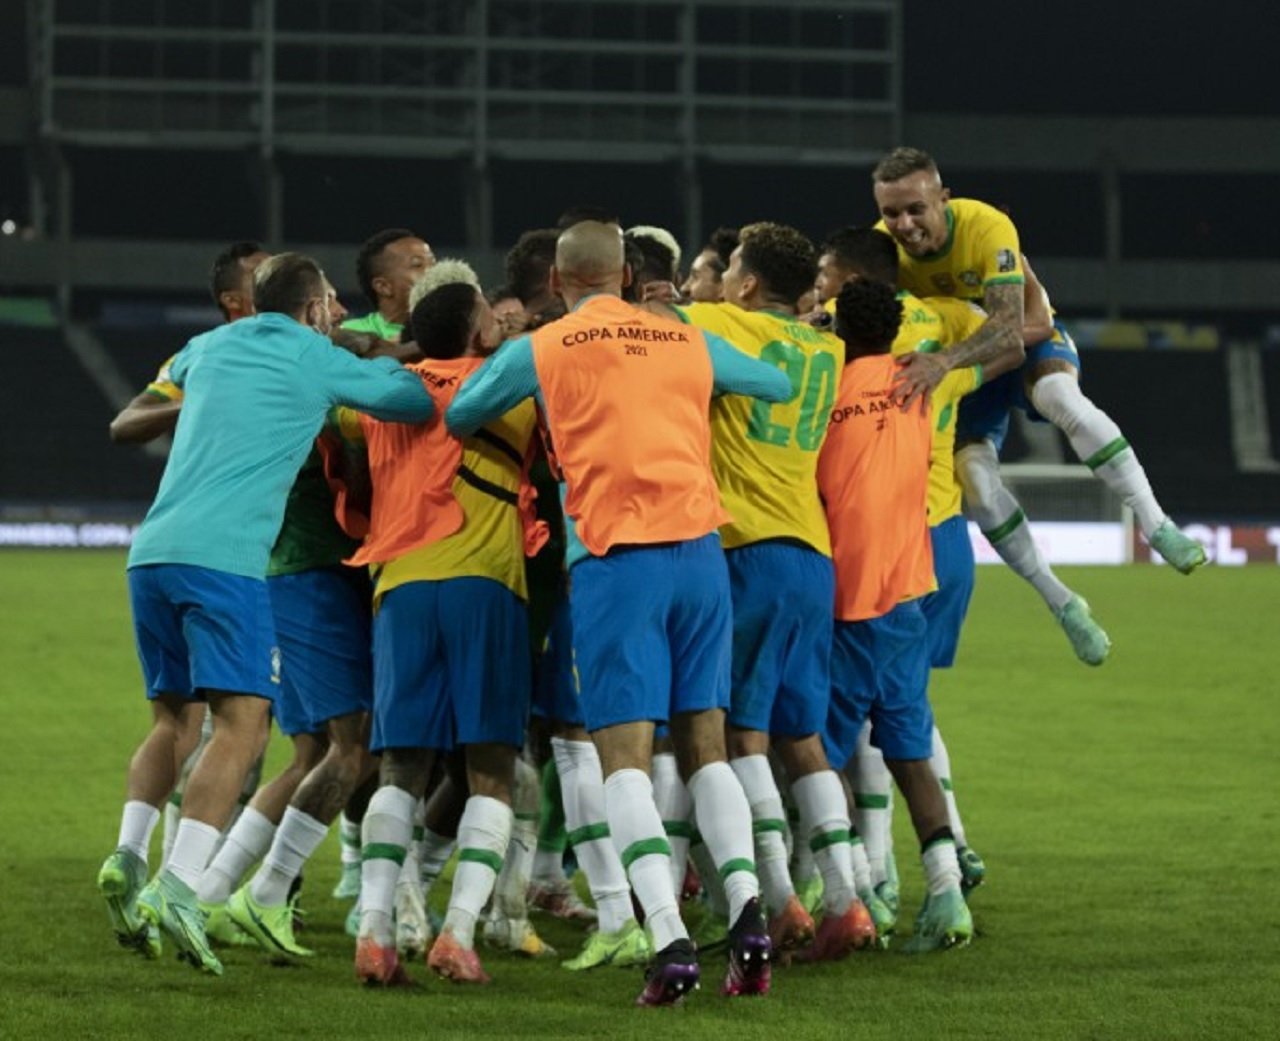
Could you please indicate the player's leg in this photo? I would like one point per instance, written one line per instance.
(485, 641)
(508, 926)
(972, 868)
(902, 727)
(674, 805)
(700, 634)
(349, 822)
(619, 605)
(198, 728)
(1053, 381)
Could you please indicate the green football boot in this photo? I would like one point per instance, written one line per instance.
(120, 880)
(272, 927)
(1088, 639)
(1178, 548)
(884, 917)
(809, 893)
(624, 948)
(170, 905)
(221, 930)
(944, 922)
(973, 871)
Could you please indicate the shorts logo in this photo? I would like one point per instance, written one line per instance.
(275, 664)
(1006, 261)
(971, 278)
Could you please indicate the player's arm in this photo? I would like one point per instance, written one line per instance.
(501, 383)
(381, 388)
(366, 345)
(736, 373)
(1037, 316)
(146, 417)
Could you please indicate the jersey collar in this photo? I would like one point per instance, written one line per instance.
(946, 246)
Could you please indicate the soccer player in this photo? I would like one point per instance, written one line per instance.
(255, 395)
(658, 256)
(387, 266)
(707, 270)
(626, 397)
(778, 551)
(967, 249)
(450, 633)
(873, 474)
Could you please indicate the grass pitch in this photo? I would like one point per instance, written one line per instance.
(1127, 815)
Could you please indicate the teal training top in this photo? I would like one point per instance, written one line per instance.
(255, 395)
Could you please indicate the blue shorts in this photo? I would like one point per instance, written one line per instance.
(984, 414)
(322, 623)
(880, 671)
(782, 597)
(945, 609)
(199, 630)
(555, 688)
(652, 631)
(450, 665)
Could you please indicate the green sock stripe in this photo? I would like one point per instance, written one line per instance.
(1003, 531)
(678, 829)
(946, 784)
(644, 848)
(1106, 453)
(828, 838)
(176, 800)
(350, 841)
(383, 851)
(937, 842)
(487, 857)
(729, 867)
(854, 838)
(695, 839)
(864, 801)
(418, 833)
(769, 824)
(589, 833)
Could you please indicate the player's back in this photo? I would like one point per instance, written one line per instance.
(765, 456)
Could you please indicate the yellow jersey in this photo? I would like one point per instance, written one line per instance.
(765, 457)
(490, 543)
(950, 321)
(921, 329)
(163, 386)
(981, 250)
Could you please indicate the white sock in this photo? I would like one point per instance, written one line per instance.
(674, 807)
(872, 802)
(636, 830)
(245, 844)
(861, 866)
(582, 791)
(1098, 442)
(724, 821)
(824, 827)
(941, 763)
(172, 817)
(483, 835)
(511, 891)
(386, 832)
(348, 839)
(768, 826)
(137, 822)
(191, 850)
(296, 839)
(941, 868)
(433, 854)
(994, 509)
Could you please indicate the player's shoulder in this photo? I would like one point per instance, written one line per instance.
(976, 216)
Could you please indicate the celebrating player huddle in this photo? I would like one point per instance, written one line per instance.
(764, 556)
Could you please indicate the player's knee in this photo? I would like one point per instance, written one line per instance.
(1058, 397)
(978, 471)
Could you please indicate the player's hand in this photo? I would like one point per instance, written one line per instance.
(661, 292)
(918, 375)
(513, 323)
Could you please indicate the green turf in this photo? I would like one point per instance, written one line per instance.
(1127, 816)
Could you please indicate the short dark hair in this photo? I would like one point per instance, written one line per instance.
(577, 214)
(724, 241)
(901, 162)
(286, 282)
(367, 268)
(226, 273)
(867, 252)
(441, 321)
(781, 257)
(529, 261)
(500, 293)
(868, 314)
